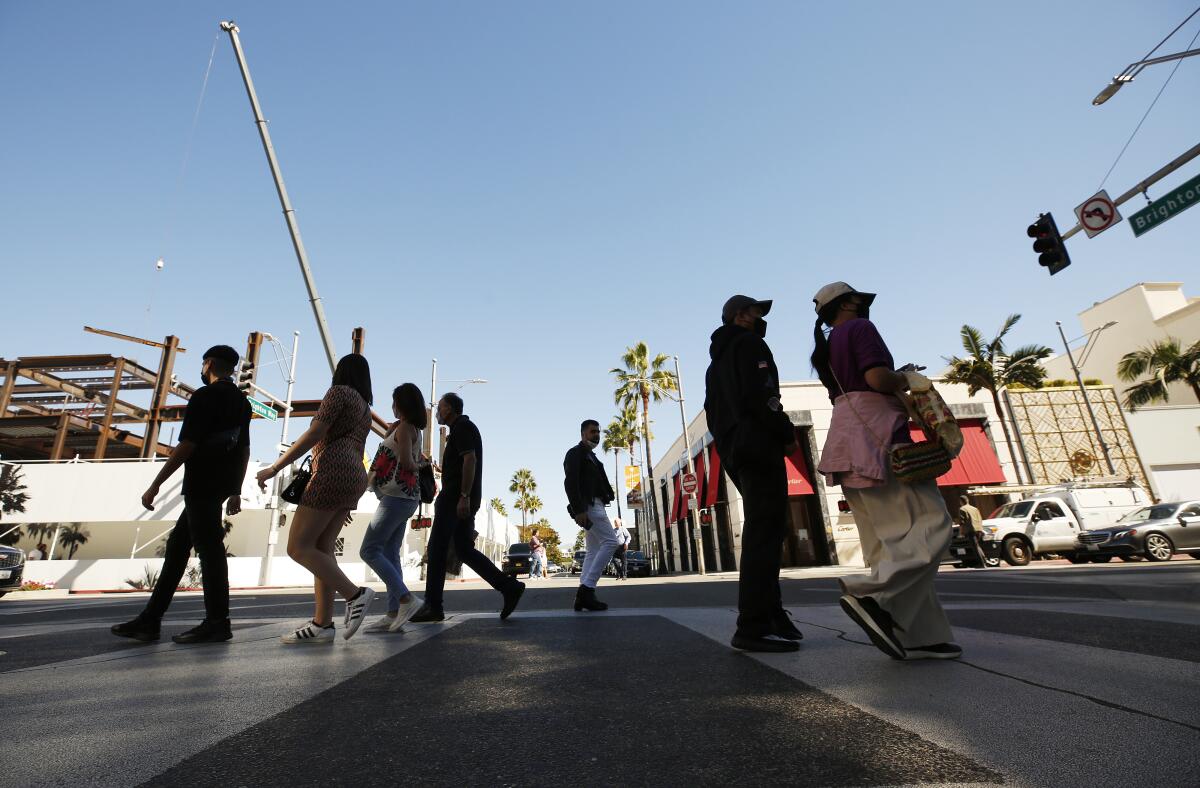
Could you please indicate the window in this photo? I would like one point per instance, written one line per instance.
(1191, 510)
(1048, 511)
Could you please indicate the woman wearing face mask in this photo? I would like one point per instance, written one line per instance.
(393, 479)
(903, 528)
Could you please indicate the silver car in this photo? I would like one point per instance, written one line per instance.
(1155, 532)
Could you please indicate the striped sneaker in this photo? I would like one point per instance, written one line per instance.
(312, 632)
(356, 611)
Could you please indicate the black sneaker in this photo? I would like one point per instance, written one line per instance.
(428, 615)
(876, 622)
(764, 643)
(511, 597)
(143, 629)
(206, 632)
(781, 624)
(936, 651)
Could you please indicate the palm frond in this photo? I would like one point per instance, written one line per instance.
(972, 341)
(1145, 393)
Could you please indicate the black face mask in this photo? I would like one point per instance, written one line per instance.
(760, 328)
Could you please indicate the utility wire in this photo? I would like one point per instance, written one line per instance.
(1178, 63)
(1173, 32)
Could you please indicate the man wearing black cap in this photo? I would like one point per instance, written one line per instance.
(214, 448)
(753, 435)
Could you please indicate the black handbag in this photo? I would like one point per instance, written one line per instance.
(427, 483)
(295, 489)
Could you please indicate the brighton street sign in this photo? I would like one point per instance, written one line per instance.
(262, 409)
(1097, 213)
(1157, 212)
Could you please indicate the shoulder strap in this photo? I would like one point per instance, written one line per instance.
(857, 415)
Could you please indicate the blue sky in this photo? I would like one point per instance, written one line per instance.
(524, 189)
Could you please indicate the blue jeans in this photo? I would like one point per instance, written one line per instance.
(535, 566)
(381, 546)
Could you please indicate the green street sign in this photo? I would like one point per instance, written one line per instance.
(262, 409)
(1164, 208)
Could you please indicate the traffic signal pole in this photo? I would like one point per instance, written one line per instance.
(289, 214)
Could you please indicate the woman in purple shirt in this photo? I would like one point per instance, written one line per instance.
(903, 528)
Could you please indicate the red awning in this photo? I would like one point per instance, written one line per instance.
(975, 464)
(713, 485)
(676, 500)
(798, 476)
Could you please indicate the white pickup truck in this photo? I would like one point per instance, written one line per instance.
(1049, 520)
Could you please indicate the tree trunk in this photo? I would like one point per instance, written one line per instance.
(650, 491)
(1016, 458)
(617, 477)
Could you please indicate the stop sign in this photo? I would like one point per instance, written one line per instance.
(689, 483)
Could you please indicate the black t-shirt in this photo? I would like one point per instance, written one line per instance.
(464, 437)
(217, 420)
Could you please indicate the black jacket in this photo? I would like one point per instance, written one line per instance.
(741, 400)
(585, 480)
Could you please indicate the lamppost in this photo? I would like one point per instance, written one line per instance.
(1112, 471)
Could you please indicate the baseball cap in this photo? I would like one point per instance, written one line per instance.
(835, 290)
(739, 302)
(222, 352)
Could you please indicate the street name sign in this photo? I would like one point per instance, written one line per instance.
(1164, 208)
(1097, 213)
(689, 483)
(262, 409)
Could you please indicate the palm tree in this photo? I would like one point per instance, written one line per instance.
(643, 379)
(12, 497)
(621, 434)
(988, 366)
(75, 536)
(1166, 363)
(523, 486)
(498, 507)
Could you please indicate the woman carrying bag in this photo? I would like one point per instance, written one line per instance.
(395, 479)
(889, 482)
(339, 434)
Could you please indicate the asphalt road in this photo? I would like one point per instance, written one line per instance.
(1063, 665)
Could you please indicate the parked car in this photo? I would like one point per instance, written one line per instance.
(12, 566)
(577, 563)
(1049, 521)
(518, 559)
(637, 564)
(1153, 532)
(963, 554)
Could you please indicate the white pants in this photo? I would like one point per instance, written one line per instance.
(903, 528)
(601, 542)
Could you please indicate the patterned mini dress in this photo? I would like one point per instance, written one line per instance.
(339, 478)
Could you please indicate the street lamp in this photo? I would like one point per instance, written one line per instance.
(1132, 70)
(1112, 471)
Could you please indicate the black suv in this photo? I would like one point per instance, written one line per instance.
(636, 564)
(12, 566)
(519, 559)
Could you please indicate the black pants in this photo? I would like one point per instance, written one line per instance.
(764, 527)
(200, 527)
(622, 562)
(448, 526)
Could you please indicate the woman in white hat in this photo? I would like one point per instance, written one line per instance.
(903, 528)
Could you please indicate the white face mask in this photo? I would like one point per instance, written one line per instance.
(591, 444)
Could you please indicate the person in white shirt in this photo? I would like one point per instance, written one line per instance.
(623, 538)
(36, 554)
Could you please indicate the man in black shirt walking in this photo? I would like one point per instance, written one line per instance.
(753, 435)
(214, 448)
(588, 493)
(454, 515)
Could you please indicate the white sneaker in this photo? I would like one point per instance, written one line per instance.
(356, 611)
(381, 624)
(407, 611)
(309, 633)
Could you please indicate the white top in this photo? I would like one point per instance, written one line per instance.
(390, 478)
(623, 535)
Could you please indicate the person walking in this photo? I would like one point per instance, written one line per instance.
(903, 528)
(454, 516)
(588, 493)
(38, 553)
(337, 436)
(214, 450)
(621, 555)
(970, 521)
(537, 552)
(753, 436)
(394, 479)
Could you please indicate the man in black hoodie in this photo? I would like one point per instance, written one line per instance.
(753, 435)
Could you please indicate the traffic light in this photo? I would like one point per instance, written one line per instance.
(248, 369)
(1048, 243)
